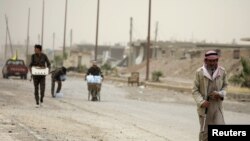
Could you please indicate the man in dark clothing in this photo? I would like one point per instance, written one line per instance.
(41, 60)
(58, 76)
(95, 71)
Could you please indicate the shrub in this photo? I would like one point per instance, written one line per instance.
(236, 79)
(242, 79)
(156, 75)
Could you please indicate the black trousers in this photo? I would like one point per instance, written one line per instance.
(59, 86)
(39, 80)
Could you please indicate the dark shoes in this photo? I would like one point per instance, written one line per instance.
(94, 99)
(53, 95)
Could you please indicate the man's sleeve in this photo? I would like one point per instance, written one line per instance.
(88, 71)
(223, 92)
(47, 61)
(196, 91)
(32, 61)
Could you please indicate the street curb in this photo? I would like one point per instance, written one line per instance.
(230, 95)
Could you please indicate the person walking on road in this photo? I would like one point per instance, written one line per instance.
(95, 71)
(208, 92)
(58, 76)
(39, 59)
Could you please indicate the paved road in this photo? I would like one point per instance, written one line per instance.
(124, 113)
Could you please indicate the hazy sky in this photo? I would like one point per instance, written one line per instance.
(210, 20)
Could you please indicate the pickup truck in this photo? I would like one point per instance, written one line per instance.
(15, 68)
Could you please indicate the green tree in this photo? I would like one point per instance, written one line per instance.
(246, 72)
(243, 78)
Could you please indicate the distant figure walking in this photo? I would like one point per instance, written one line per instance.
(40, 60)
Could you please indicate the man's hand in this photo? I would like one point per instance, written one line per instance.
(205, 104)
(215, 95)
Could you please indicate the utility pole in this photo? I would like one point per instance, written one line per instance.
(39, 38)
(6, 43)
(28, 37)
(130, 42)
(54, 36)
(8, 33)
(148, 43)
(131, 30)
(42, 24)
(71, 37)
(64, 37)
(156, 31)
(97, 28)
(156, 35)
(71, 40)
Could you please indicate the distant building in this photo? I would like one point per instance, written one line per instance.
(83, 54)
(189, 49)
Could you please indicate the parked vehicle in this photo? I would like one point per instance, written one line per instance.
(15, 67)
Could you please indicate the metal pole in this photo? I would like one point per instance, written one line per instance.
(39, 38)
(156, 31)
(71, 40)
(6, 42)
(130, 42)
(148, 44)
(8, 33)
(131, 30)
(65, 23)
(97, 28)
(28, 38)
(71, 37)
(42, 24)
(156, 35)
(54, 36)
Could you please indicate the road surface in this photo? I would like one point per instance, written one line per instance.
(124, 113)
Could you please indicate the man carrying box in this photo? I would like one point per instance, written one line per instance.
(39, 60)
